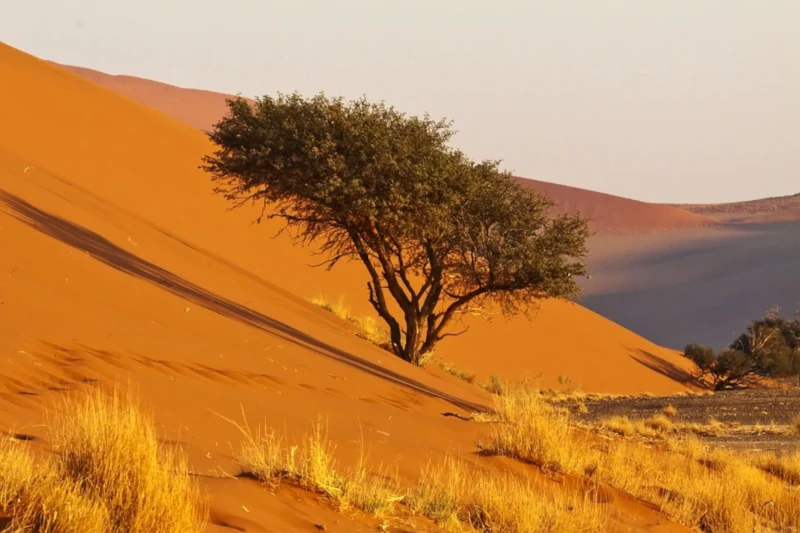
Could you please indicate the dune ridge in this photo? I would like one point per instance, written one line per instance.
(202, 109)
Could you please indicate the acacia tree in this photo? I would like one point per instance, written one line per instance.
(770, 348)
(435, 231)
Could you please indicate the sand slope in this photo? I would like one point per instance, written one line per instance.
(202, 109)
(119, 264)
(195, 107)
(614, 213)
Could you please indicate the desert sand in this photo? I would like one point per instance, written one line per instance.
(672, 273)
(120, 265)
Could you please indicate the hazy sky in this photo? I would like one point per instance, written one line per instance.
(671, 100)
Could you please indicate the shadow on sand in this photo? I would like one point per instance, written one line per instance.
(663, 367)
(112, 255)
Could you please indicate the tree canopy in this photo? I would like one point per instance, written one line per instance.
(770, 348)
(435, 230)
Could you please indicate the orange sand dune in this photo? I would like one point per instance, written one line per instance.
(202, 109)
(195, 107)
(120, 264)
(614, 213)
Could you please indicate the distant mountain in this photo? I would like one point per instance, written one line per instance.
(776, 209)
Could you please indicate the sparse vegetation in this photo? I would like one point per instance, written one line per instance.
(367, 327)
(469, 377)
(710, 489)
(108, 473)
(267, 457)
(438, 233)
(453, 496)
(450, 493)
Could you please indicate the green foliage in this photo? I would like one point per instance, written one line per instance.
(435, 230)
(770, 347)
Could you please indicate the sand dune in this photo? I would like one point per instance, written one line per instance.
(700, 285)
(611, 213)
(779, 209)
(194, 107)
(120, 264)
(202, 109)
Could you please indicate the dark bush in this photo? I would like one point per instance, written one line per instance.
(769, 348)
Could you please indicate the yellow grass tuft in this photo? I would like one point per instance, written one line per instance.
(338, 308)
(108, 474)
(669, 411)
(368, 328)
(530, 429)
(266, 457)
(469, 377)
(454, 497)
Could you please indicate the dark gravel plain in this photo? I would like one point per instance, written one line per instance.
(765, 407)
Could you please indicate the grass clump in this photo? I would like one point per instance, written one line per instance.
(530, 429)
(267, 457)
(454, 497)
(367, 327)
(786, 467)
(669, 411)
(495, 385)
(469, 377)
(109, 473)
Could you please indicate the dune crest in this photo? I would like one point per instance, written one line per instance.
(202, 109)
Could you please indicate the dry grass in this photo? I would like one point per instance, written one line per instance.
(494, 385)
(448, 493)
(454, 497)
(669, 411)
(530, 429)
(469, 377)
(709, 489)
(108, 474)
(267, 457)
(795, 425)
(786, 467)
(368, 328)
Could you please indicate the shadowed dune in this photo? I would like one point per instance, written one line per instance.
(701, 286)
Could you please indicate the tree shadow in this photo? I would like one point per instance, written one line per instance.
(663, 367)
(122, 260)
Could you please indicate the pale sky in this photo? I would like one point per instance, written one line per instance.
(667, 101)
